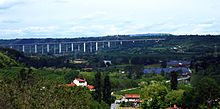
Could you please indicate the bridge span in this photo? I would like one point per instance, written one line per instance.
(77, 46)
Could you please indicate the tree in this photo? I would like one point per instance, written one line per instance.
(207, 90)
(98, 89)
(163, 64)
(128, 69)
(189, 99)
(173, 81)
(174, 97)
(153, 95)
(162, 73)
(70, 76)
(204, 93)
(25, 77)
(107, 90)
(134, 71)
(196, 67)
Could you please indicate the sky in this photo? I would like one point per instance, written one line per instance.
(91, 18)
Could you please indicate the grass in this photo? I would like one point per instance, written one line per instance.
(88, 74)
(118, 97)
(127, 91)
(120, 94)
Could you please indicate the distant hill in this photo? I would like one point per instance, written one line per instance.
(101, 38)
(151, 34)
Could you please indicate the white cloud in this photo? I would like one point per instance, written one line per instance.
(29, 32)
(107, 17)
(62, 1)
(35, 29)
(5, 4)
(10, 21)
(9, 31)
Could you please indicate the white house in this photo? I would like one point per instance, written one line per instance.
(80, 82)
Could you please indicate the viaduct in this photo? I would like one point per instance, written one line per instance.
(79, 46)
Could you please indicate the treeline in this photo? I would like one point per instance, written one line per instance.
(207, 66)
(113, 37)
(57, 40)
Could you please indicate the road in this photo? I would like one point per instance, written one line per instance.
(114, 106)
(129, 89)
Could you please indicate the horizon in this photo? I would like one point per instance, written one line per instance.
(143, 35)
(39, 19)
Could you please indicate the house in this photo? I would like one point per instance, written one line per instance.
(132, 98)
(79, 61)
(82, 83)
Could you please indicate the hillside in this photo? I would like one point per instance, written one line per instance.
(5, 61)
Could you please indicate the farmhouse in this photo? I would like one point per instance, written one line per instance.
(80, 82)
(132, 98)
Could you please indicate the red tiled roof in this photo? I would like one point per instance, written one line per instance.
(90, 86)
(132, 96)
(71, 85)
(80, 80)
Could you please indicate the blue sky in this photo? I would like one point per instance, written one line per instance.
(85, 18)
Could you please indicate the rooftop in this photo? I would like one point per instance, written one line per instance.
(182, 70)
(80, 80)
(90, 87)
(132, 96)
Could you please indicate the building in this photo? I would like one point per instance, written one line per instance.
(132, 98)
(79, 61)
(82, 83)
(182, 71)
